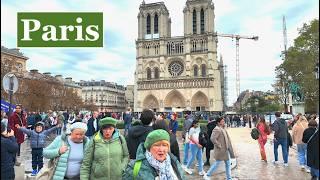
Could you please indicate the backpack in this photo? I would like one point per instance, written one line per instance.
(255, 133)
(203, 139)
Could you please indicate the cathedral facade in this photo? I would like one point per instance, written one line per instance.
(182, 72)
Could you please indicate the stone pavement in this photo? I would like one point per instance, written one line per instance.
(247, 167)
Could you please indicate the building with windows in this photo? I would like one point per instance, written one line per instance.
(13, 60)
(130, 96)
(175, 73)
(107, 96)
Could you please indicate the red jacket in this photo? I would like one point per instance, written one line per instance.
(13, 120)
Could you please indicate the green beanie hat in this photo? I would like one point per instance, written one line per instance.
(155, 136)
(109, 121)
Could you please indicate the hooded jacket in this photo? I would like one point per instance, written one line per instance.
(280, 128)
(137, 134)
(9, 148)
(38, 140)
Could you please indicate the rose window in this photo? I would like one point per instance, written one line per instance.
(175, 68)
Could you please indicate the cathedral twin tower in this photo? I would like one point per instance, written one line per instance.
(177, 73)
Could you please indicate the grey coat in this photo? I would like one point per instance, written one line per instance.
(280, 128)
(186, 125)
(220, 152)
(38, 140)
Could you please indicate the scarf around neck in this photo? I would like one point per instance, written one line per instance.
(162, 167)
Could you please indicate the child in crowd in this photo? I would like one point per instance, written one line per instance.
(37, 142)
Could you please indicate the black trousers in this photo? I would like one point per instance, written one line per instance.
(18, 152)
(209, 147)
(37, 158)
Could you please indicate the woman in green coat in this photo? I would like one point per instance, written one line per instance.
(154, 160)
(107, 155)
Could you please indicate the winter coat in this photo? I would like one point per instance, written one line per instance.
(17, 119)
(52, 151)
(9, 148)
(297, 131)
(186, 125)
(105, 159)
(37, 140)
(31, 120)
(220, 152)
(127, 118)
(90, 130)
(146, 171)
(312, 147)
(174, 146)
(173, 126)
(210, 127)
(137, 134)
(280, 128)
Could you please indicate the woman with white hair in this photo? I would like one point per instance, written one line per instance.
(70, 150)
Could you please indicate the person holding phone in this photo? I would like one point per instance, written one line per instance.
(9, 148)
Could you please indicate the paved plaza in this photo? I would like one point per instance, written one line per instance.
(248, 164)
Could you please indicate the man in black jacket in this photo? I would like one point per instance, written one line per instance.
(210, 126)
(137, 134)
(92, 125)
(311, 138)
(280, 129)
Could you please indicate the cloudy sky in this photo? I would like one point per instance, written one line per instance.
(116, 61)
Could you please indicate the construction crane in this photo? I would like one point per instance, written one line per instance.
(237, 37)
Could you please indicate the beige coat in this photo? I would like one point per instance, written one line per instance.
(220, 147)
(297, 131)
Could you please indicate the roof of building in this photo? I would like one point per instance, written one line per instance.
(101, 83)
(14, 52)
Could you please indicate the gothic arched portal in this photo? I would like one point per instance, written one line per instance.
(151, 102)
(174, 99)
(199, 101)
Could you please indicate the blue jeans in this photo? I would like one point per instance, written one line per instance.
(126, 128)
(186, 153)
(284, 143)
(59, 131)
(314, 172)
(302, 154)
(195, 152)
(216, 164)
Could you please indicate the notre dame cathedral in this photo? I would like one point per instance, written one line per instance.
(182, 72)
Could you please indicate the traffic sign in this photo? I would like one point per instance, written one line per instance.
(10, 83)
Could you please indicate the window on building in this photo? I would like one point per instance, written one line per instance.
(175, 68)
(148, 73)
(203, 70)
(195, 70)
(194, 21)
(202, 21)
(148, 24)
(156, 24)
(156, 73)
